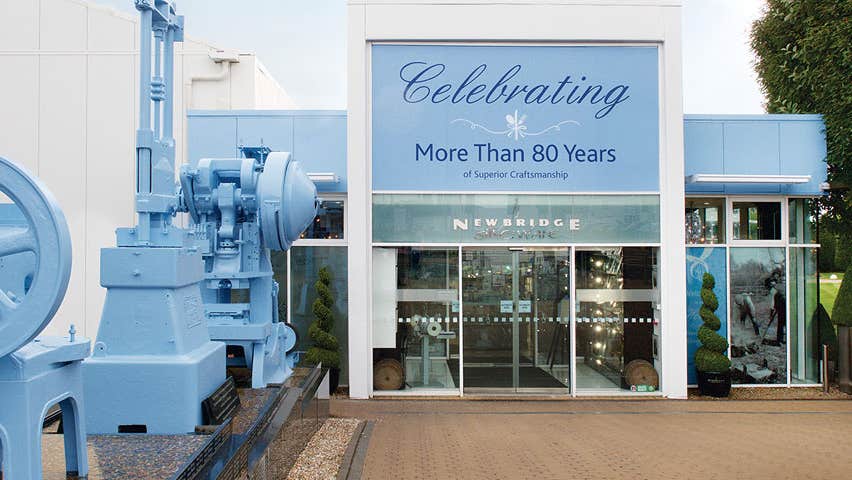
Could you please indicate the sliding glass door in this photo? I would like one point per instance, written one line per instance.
(516, 314)
(497, 320)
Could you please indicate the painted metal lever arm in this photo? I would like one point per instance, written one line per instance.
(17, 240)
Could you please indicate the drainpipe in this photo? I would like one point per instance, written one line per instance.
(224, 59)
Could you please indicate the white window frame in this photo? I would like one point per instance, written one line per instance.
(711, 196)
(332, 197)
(729, 243)
(729, 212)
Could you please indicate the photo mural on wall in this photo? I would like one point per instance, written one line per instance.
(758, 315)
(701, 260)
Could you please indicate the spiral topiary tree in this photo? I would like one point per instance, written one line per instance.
(710, 356)
(326, 349)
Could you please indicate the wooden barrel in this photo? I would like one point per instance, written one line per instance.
(388, 374)
(641, 372)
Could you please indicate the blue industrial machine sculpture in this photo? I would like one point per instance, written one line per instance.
(235, 205)
(35, 372)
(153, 361)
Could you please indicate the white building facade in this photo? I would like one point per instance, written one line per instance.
(387, 34)
(68, 100)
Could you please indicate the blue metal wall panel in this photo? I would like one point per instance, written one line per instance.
(320, 143)
(702, 143)
(751, 148)
(803, 150)
(273, 132)
(755, 145)
(720, 144)
(212, 137)
(316, 138)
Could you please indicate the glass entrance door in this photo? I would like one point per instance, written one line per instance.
(516, 313)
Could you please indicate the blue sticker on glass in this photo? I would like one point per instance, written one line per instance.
(701, 260)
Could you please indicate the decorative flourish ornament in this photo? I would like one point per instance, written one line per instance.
(515, 126)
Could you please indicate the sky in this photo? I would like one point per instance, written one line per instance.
(303, 45)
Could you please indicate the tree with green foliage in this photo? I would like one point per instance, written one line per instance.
(827, 250)
(710, 356)
(843, 251)
(827, 335)
(803, 54)
(842, 312)
(326, 349)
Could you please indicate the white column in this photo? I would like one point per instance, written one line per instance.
(358, 205)
(673, 252)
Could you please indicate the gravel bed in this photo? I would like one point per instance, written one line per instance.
(119, 457)
(252, 401)
(777, 393)
(322, 456)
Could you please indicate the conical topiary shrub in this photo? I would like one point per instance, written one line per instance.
(827, 335)
(841, 315)
(714, 368)
(326, 349)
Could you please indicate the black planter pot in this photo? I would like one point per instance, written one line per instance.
(333, 380)
(714, 384)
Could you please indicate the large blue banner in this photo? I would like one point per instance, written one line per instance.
(515, 118)
(701, 260)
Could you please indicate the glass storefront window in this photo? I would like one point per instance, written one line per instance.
(328, 224)
(756, 220)
(512, 218)
(705, 220)
(758, 316)
(279, 274)
(804, 337)
(416, 318)
(701, 261)
(305, 263)
(617, 327)
(803, 221)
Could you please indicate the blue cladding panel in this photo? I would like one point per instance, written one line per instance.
(755, 145)
(803, 149)
(273, 132)
(702, 142)
(730, 144)
(751, 148)
(317, 139)
(320, 144)
(212, 137)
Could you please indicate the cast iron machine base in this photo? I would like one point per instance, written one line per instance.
(35, 373)
(153, 362)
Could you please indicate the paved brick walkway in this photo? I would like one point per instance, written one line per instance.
(655, 439)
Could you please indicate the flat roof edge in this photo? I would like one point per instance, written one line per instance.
(268, 113)
(773, 117)
(693, 117)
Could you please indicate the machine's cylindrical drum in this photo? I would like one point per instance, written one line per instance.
(32, 229)
(287, 199)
